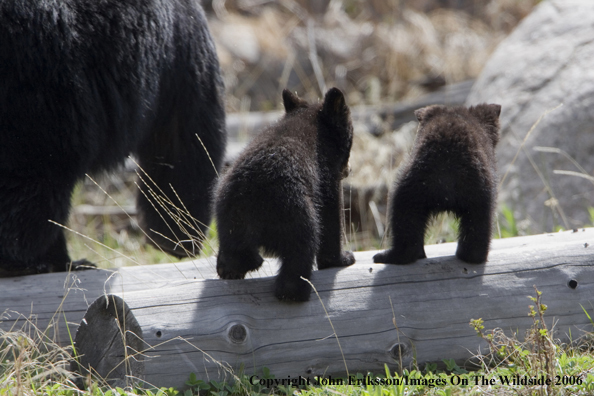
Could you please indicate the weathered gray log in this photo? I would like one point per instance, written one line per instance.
(214, 327)
(51, 300)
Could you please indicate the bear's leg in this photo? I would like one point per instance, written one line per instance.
(294, 239)
(57, 253)
(173, 157)
(29, 242)
(330, 253)
(296, 263)
(475, 233)
(238, 251)
(186, 144)
(235, 263)
(408, 219)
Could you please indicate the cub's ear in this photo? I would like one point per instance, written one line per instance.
(292, 102)
(335, 108)
(488, 116)
(425, 113)
(495, 108)
(487, 113)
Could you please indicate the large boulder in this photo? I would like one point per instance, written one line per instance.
(547, 61)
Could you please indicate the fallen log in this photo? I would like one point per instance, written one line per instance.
(367, 315)
(56, 303)
(93, 210)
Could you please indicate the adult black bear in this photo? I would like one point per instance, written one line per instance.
(284, 194)
(452, 168)
(84, 83)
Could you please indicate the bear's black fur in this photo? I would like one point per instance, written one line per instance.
(283, 194)
(452, 168)
(84, 83)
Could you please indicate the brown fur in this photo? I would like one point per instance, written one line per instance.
(452, 168)
(283, 194)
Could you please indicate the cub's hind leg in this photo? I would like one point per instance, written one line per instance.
(238, 253)
(474, 236)
(408, 220)
(295, 240)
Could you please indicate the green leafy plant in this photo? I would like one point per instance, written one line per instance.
(507, 225)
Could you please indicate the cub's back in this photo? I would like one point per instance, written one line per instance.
(280, 164)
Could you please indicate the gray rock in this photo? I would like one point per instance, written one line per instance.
(548, 60)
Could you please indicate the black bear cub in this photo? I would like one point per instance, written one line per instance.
(452, 168)
(283, 194)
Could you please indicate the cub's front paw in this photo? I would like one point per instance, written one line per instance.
(345, 259)
(394, 256)
(227, 270)
(291, 289)
(229, 274)
(472, 256)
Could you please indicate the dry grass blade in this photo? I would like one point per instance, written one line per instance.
(208, 154)
(572, 173)
(313, 56)
(524, 142)
(189, 226)
(552, 202)
(96, 242)
(563, 153)
(582, 172)
(30, 361)
(331, 324)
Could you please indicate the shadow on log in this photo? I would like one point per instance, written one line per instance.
(216, 328)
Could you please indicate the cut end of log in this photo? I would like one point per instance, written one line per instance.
(108, 342)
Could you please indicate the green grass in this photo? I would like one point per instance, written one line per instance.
(443, 228)
(507, 226)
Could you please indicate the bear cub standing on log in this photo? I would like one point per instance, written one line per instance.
(452, 168)
(283, 194)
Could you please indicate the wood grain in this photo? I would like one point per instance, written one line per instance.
(214, 327)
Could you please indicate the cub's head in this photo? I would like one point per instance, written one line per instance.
(486, 115)
(332, 119)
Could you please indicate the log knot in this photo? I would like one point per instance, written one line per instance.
(237, 333)
(399, 350)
